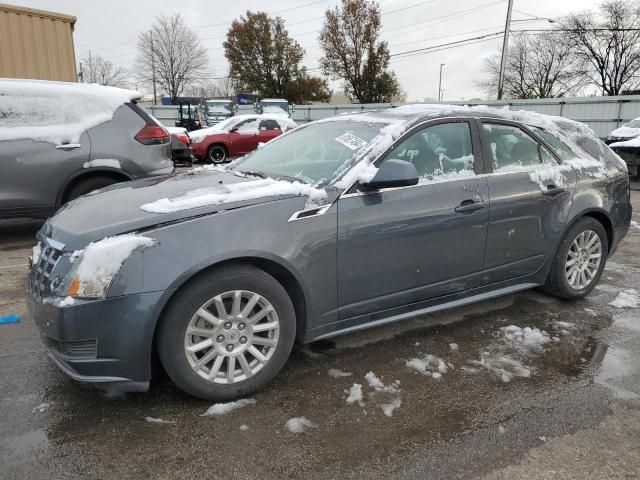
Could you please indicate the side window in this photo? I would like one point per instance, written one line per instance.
(439, 151)
(250, 125)
(269, 125)
(512, 147)
(561, 148)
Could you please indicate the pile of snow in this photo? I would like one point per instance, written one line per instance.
(235, 192)
(376, 383)
(103, 259)
(429, 365)
(56, 112)
(224, 408)
(336, 373)
(388, 408)
(626, 299)
(158, 421)
(354, 394)
(525, 339)
(299, 425)
(102, 162)
(43, 407)
(243, 428)
(453, 347)
(635, 225)
(505, 367)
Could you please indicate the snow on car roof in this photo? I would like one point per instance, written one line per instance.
(56, 112)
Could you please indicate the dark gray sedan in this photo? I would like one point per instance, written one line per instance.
(336, 226)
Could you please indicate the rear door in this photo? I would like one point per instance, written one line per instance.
(34, 172)
(530, 196)
(400, 246)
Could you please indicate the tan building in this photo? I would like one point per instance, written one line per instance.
(36, 44)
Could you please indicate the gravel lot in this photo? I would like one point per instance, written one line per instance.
(577, 415)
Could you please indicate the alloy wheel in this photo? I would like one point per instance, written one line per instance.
(232, 337)
(583, 259)
(217, 154)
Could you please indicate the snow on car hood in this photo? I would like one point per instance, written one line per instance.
(119, 206)
(625, 132)
(56, 112)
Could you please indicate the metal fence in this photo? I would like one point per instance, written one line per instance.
(602, 114)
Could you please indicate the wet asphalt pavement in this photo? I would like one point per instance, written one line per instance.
(574, 412)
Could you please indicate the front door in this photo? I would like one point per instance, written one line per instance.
(530, 197)
(244, 137)
(405, 245)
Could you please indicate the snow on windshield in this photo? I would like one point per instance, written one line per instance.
(274, 109)
(236, 192)
(56, 112)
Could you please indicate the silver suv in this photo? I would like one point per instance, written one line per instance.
(59, 141)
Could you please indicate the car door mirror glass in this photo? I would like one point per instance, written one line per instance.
(393, 173)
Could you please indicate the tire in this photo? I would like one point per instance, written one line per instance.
(217, 153)
(183, 312)
(558, 281)
(88, 185)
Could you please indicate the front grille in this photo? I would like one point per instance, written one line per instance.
(40, 278)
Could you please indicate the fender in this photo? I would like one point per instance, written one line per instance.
(86, 172)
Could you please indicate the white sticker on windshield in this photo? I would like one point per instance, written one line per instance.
(351, 141)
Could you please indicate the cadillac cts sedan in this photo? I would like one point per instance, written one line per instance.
(340, 225)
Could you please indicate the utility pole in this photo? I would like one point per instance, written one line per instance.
(153, 68)
(81, 75)
(505, 48)
(440, 84)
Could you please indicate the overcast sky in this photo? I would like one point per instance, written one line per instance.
(110, 29)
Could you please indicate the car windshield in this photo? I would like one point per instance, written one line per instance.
(312, 154)
(634, 123)
(218, 107)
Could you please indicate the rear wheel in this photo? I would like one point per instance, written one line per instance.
(227, 334)
(217, 153)
(88, 185)
(579, 260)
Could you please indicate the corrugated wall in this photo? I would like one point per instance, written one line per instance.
(36, 44)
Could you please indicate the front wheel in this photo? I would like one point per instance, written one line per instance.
(217, 153)
(227, 334)
(579, 260)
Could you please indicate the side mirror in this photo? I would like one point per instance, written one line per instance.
(233, 129)
(394, 173)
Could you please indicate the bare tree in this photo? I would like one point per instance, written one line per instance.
(96, 69)
(175, 53)
(352, 51)
(537, 66)
(218, 88)
(609, 45)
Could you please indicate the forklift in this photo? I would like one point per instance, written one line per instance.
(188, 117)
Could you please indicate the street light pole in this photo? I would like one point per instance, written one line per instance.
(440, 84)
(505, 48)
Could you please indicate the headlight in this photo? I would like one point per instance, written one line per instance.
(80, 284)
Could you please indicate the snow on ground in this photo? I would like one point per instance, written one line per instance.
(626, 299)
(103, 162)
(32, 109)
(453, 347)
(355, 394)
(299, 424)
(525, 339)
(635, 224)
(41, 408)
(243, 428)
(158, 420)
(235, 192)
(336, 373)
(376, 383)
(429, 365)
(103, 259)
(505, 367)
(388, 408)
(224, 408)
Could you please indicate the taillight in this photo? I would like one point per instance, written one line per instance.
(184, 138)
(152, 135)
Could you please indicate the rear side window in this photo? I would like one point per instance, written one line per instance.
(561, 148)
(269, 125)
(513, 147)
(250, 125)
(440, 150)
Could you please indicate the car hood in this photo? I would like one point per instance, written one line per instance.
(625, 132)
(117, 209)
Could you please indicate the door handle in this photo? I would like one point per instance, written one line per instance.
(552, 190)
(469, 206)
(68, 146)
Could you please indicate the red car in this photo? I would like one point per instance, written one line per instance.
(237, 136)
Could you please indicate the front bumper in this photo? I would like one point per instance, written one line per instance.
(105, 342)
